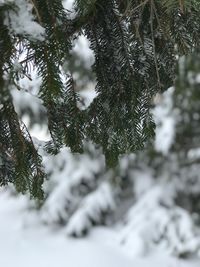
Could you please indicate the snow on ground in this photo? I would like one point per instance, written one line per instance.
(24, 242)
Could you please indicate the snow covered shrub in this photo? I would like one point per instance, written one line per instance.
(156, 224)
(94, 209)
(78, 192)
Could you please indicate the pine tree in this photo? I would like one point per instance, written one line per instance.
(172, 169)
(136, 45)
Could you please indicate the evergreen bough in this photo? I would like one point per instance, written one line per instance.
(136, 45)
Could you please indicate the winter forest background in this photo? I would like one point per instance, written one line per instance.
(100, 133)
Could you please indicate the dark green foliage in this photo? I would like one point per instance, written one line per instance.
(114, 113)
(136, 45)
(180, 166)
(20, 162)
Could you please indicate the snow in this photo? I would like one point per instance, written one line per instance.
(3, 2)
(194, 153)
(22, 100)
(26, 100)
(25, 242)
(165, 121)
(87, 95)
(92, 207)
(155, 224)
(67, 173)
(68, 4)
(22, 21)
(82, 49)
